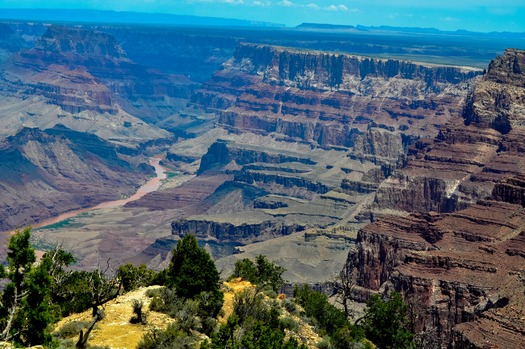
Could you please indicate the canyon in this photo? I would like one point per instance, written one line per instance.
(278, 143)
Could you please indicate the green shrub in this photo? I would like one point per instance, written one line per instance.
(71, 329)
(187, 316)
(139, 317)
(154, 292)
(289, 323)
(289, 306)
(386, 323)
(167, 302)
(324, 343)
(170, 338)
(271, 294)
(261, 273)
(328, 319)
(63, 344)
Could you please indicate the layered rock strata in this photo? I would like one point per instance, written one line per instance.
(453, 269)
(331, 100)
(350, 119)
(272, 190)
(85, 70)
(471, 154)
(461, 272)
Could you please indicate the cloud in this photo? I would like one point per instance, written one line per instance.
(449, 19)
(336, 8)
(262, 3)
(313, 6)
(286, 3)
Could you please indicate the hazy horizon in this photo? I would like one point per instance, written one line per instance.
(480, 15)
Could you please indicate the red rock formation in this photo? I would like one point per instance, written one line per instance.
(323, 98)
(453, 269)
(462, 272)
(80, 69)
(471, 154)
(370, 108)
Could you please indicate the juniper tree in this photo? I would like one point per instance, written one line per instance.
(193, 275)
(25, 310)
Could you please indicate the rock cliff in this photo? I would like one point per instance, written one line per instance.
(472, 153)
(227, 232)
(461, 272)
(9, 42)
(329, 99)
(318, 132)
(457, 271)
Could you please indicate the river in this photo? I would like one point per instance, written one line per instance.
(150, 186)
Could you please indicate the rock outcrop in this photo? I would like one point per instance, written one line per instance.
(326, 130)
(461, 272)
(457, 271)
(10, 42)
(273, 189)
(227, 232)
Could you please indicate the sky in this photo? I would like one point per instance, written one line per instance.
(475, 15)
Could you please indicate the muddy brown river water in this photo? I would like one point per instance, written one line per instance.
(150, 186)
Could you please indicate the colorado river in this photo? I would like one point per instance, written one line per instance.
(150, 186)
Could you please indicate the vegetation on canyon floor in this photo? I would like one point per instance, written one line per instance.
(38, 294)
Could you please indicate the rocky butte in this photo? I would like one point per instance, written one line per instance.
(84, 80)
(458, 253)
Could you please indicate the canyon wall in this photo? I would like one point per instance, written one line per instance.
(87, 74)
(330, 99)
(460, 268)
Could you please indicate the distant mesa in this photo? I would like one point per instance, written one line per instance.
(116, 17)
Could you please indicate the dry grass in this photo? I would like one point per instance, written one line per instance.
(231, 288)
(115, 330)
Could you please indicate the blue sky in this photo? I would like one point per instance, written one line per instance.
(476, 15)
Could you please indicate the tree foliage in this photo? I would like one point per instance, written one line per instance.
(133, 277)
(262, 272)
(25, 311)
(253, 325)
(193, 275)
(386, 323)
(330, 320)
(38, 293)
